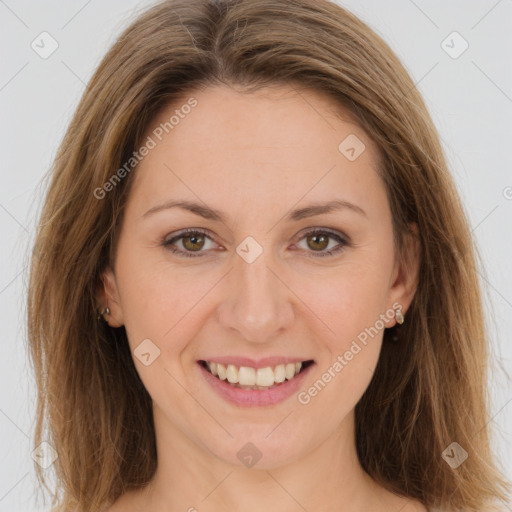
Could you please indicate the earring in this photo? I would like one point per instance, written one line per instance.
(105, 311)
(399, 317)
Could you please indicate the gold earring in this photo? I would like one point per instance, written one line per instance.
(399, 317)
(105, 311)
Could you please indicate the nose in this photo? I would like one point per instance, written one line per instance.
(258, 306)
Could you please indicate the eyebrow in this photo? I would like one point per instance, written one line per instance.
(296, 215)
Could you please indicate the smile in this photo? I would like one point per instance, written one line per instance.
(246, 377)
(250, 386)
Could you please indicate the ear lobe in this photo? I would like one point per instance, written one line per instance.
(108, 297)
(407, 277)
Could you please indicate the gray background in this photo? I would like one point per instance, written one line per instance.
(469, 97)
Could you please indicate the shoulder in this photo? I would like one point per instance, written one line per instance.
(61, 509)
(415, 506)
(403, 504)
(494, 509)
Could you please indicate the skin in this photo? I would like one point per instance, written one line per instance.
(255, 157)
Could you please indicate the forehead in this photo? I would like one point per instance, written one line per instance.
(276, 144)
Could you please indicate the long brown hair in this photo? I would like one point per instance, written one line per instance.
(429, 388)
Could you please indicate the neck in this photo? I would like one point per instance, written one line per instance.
(190, 478)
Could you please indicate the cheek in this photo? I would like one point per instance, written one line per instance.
(341, 384)
(350, 298)
(352, 302)
(353, 308)
(156, 299)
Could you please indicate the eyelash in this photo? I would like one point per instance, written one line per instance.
(197, 231)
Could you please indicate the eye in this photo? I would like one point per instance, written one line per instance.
(192, 241)
(195, 241)
(319, 239)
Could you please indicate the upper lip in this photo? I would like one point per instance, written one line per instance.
(255, 363)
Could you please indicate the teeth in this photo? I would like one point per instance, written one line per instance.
(265, 376)
(247, 376)
(279, 373)
(255, 378)
(232, 374)
(221, 371)
(213, 368)
(289, 370)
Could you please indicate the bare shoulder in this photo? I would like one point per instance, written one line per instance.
(127, 502)
(414, 506)
(116, 507)
(497, 508)
(392, 502)
(108, 509)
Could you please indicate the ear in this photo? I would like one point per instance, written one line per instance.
(108, 296)
(405, 276)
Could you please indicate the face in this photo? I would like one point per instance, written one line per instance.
(265, 277)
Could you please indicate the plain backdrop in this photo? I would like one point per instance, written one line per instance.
(469, 94)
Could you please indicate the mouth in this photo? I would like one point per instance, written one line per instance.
(250, 386)
(256, 379)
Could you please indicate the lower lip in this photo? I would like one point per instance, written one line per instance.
(255, 397)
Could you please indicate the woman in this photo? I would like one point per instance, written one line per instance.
(270, 297)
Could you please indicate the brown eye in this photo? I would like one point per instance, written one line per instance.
(190, 243)
(193, 242)
(318, 242)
